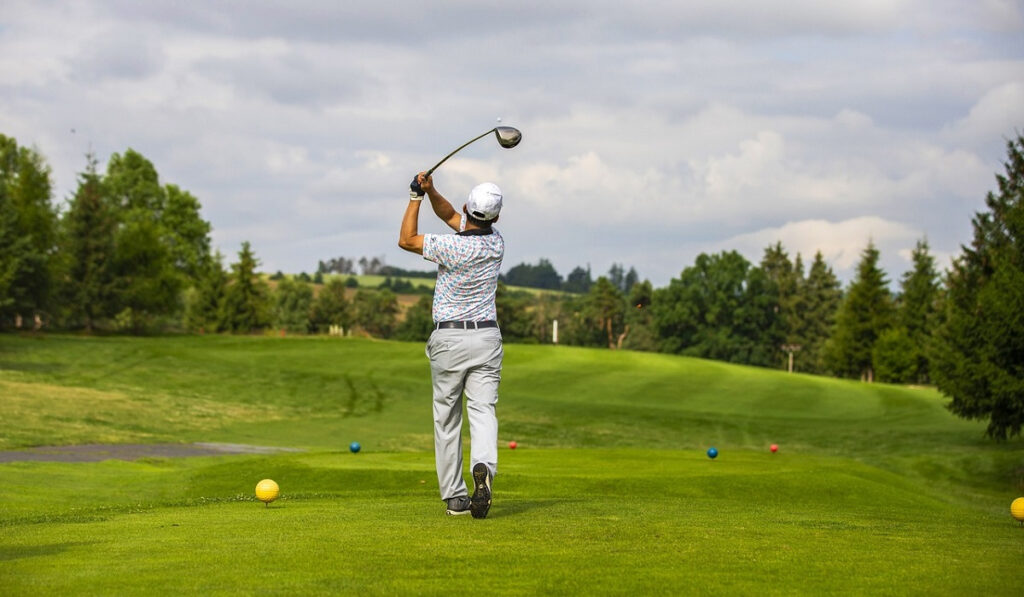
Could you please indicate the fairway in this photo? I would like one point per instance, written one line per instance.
(875, 489)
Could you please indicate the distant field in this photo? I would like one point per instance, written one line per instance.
(875, 489)
(375, 281)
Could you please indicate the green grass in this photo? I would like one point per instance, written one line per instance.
(373, 281)
(876, 489)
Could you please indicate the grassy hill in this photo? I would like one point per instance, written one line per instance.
(875, 489)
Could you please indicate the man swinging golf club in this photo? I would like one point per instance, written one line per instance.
(465, 349)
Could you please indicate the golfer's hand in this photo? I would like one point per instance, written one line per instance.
(426, 182)
(421, 183)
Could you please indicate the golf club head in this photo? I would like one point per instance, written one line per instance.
(508, 137)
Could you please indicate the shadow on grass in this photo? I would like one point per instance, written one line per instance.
(8, 553)
(517, 507)
(30, 367)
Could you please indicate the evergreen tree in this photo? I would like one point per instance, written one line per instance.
(87, 283)
(578, 281)
(820, 296)
(895, 356)
(864, 315)
(783, 284)
(246, 302)
(206, 299)
(606, 309)
(919, 296)
(632, 277)
(978, 356)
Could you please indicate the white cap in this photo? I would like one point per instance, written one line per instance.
(484, 201)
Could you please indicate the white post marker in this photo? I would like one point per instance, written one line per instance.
(554, 332)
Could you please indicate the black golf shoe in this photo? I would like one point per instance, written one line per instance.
(480, 503)
(457, 506)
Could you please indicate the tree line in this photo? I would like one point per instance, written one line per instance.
(128, 253)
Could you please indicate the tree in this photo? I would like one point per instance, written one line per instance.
(864, 315)
(145, 282)
(88, 277)
(246, 302)
(376, 312)
(578, 280)
(542, 275)
(14, 250)
(918, 304)
(293, 301)
(331, 307)
(132, 183)
(895, 356)
(639, 321)
(606, 308)
(371, 266)
(782, 283)
(513, 313)
(978, 355)
(617, 276)
(186, 234)
(29, 228)
(418, 323)
(716, 309)
(161, 241)
(206, 299)
(820, 296)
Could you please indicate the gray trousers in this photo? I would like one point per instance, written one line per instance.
(464, 361)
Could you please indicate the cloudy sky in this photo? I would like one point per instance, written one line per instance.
(652, 131)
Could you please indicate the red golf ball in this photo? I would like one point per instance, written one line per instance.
(774, 448)
(512, 445)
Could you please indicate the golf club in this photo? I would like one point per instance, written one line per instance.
(508, 137)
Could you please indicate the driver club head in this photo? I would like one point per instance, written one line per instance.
(508, 137)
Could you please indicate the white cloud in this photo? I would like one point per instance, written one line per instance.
(840, 243)
(652, 131)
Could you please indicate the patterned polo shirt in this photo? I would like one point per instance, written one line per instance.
(467, 274)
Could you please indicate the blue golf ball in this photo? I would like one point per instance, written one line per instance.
(354, 447)
(712, 452)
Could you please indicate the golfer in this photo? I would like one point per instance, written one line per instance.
(465, 348)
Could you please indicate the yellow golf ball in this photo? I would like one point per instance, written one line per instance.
(1017, 509)
(267, 490)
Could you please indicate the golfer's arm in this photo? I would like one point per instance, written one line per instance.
(444, 210)
(409, 237)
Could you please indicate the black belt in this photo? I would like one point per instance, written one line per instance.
(465, 325)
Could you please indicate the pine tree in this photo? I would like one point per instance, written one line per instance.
(978, 355)
(87, 286)
(246, 303)
(783, 288)
(864, 315)
(206, 298)
(820, 296)
(918, 303)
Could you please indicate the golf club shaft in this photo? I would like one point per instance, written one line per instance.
(436, 166)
